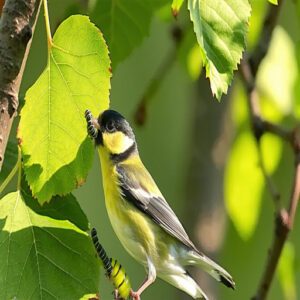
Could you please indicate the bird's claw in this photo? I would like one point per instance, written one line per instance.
(135, 295)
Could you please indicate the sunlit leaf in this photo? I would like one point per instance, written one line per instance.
(278, 71)
(194, 62)
(187, 53)
(240, 113)
(273, 2)
(124, 24)
(68, 209)
(286, 271)
(43, 257)
(221, 28)
(244, 184)
(57, 153)
(271, 158)
(176, 5)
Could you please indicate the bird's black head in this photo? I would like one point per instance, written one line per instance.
(111, 121)
(115, 133)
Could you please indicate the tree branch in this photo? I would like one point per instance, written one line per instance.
(283, 225)
(284, 218)
(1, 5)
(17, 24)
(259, 125)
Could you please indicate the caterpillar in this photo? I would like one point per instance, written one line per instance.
(114, 270)
(92, 130)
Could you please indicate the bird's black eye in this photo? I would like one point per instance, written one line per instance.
(110, 126)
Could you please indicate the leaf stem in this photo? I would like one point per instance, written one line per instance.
(19, 162)
(47, 24)
(12, 173)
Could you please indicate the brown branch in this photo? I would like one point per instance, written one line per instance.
(269, 182)
(259, 125)
(284, 219)
(283, 225)
(1, 5)
(16, 28)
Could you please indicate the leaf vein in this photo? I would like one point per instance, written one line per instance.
(25, 263)
(63, 270)
(61, 242)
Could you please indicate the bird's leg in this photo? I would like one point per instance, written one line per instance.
(116, 294)
(137, 295)
(134, 295)
(148, 281)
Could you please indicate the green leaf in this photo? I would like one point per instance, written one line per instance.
(57, 152)
(221, 28)
(274, 2)
(244, 185)
(176, 5)
(194, 62)
(68, 209)
(124, 24)
(189, 54)
(280, 62)
(286, 271)
(43, 257)
(271, 158)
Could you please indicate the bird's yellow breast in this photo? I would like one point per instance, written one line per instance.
(135, 231)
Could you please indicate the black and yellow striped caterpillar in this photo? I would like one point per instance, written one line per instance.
(114, 270)
(92, 130)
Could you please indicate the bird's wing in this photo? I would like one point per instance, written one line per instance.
(138, 187)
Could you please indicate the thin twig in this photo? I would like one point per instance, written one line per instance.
(283, 225)
(17, 24)
(249, 82)
(269, 182)
(284, 219)
(295, 196)
(259, 125)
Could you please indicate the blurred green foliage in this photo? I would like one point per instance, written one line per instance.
(166, 139)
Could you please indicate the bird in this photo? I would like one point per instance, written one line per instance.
(142, 219)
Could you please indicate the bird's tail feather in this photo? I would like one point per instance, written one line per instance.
(212, 268)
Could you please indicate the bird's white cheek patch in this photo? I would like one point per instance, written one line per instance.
(127, 143)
